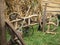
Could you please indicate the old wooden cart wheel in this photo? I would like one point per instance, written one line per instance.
(11, 37)
(52, 23)
(15, 37)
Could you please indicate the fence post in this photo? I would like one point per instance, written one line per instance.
(44, 16)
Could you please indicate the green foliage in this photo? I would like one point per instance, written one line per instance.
(40, 38)
(8, 36)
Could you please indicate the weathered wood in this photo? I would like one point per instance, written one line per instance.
(52, 23)
(51, 32)
(16, 25)
(15, 20)
(52, 2)
(14, 31)
(30, 24)
(44, 17)
(53, 6)
(23, 18)
(2, 24)
(35, 15)
(29, 21)
(53, 11)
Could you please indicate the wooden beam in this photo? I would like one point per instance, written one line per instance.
(2, 24)
(15, 20)
(53, 6)
(30, 24)
(23, 18)
(51, 2)
(53, 11)
(35, 15)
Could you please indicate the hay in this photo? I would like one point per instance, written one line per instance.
(23, 7)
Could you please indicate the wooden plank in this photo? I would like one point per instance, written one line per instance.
(2, 24)
(51, 2)
(53, 6)
(53, 11)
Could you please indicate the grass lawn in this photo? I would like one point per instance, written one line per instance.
(40, 38)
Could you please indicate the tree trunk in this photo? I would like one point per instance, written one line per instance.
(2, 24)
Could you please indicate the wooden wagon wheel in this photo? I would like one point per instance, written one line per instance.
(15, 37)
(52, 23)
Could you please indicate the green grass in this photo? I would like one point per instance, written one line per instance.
(40, 38)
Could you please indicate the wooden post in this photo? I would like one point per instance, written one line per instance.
(44, 16)
(2, 24)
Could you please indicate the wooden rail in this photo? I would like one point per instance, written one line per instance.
(15, 20)
(53, 6)
(35, 15)
(23, 20)
(53, 11)
(30, 24)
(51, 2)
